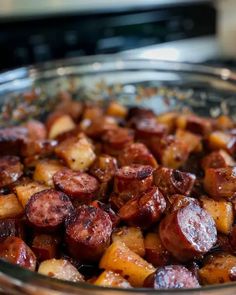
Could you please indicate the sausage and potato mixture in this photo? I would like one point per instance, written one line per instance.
(120, 197)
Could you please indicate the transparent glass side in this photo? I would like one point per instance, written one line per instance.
(161, 86)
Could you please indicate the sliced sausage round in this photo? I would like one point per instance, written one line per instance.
(11, 139)
(136, 153)
(11, 227)
(188, 232)
(145, 210)
(172, 181)
(47, 209)
(76, 184)
(116, 139)
(133, 179)
(10, 170)
(14, 250)
(88, 233)
(146, 127)
(171, 276)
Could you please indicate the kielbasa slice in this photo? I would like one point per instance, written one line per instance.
(148, 127)
(116, 139)
(42, 147)
(136, 153)
(14, 250)
(172, 181)
(188, 232)
(88, 233)
(133, 179)
(145, 210)
(171, 276)
(11, 139)
(76, 184)
(36, 130)
(107, 208)
(11, 227)
(47, 209)
(11, 170)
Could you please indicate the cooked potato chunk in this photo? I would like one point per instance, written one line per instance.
(168, 119)
(221, 182)
(10, 206)
(221, 140)
(132, 237)
(115, 109)
(120, 258)
(220, 269)
(60, 125)
(109, 278)
(77, 152)
(45, 169)
(193, 141)
(171, 152)
(60, 269)
(222, 213)
(217, 159)
(25, 190)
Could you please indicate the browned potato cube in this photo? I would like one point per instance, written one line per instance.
(221, 140)
(116, 109)
(222, 213)
(217, 159)
(60, 269)
(45, 169)
(61, 124)
(26, 189)
(168, 119)
(170, 151)
(192, 140)
(220, 269)
(221, 182)
(77, 152)
(121, 259)
(109, 278)
(10, 206)
(132, 237)
(156, 253)
(224, 122)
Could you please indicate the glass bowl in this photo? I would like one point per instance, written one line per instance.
(155, 84)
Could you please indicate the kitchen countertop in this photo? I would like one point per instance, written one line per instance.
(190, 50)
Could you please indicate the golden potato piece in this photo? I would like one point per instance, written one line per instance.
(168, 119)
(192, 140)
(45, 169)
(60, 269)
(109, 278)
(118, 257)
(25, 190)
(220, 182)
(132, 237)
(77, 152)
(60, 125)
(116, 109)
(10, 206)
(220, 269)
(222, 213)
(219, 140)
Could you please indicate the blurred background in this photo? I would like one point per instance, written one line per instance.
(34, 31)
